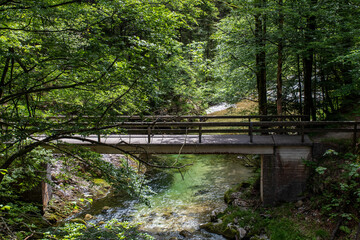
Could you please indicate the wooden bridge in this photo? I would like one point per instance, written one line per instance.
(282, 142)
(210, 134)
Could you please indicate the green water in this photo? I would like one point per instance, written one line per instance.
(183, 201)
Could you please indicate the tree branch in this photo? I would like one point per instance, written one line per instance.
(126, 152)
(58, 87)
(117, 99)
(44, 7)
(41, 31)
(28, 148)
(3, 76)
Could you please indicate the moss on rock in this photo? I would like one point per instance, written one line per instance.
(78, 220)
(52, 217)
(220, 229)
(228, 196)
(101, 182)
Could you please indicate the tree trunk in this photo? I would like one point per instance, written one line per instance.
(308, 60)
(329, 99)
(300, 87)
(3, 76)
(279, 96)
(314, 87)
(323, 94)
(260, 32)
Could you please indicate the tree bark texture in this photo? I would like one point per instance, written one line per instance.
(279, 95)
(308, 60)
(260, 41)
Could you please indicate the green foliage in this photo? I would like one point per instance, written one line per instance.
(92, 167)
(88, 62)
(25, 174)
(112, 229)
(257, 222)
(284, 229)
(122, 177)
(18, 220)
(321, 170)
(333, 43)
(336, 182)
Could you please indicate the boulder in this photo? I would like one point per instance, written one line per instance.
(88, 217)
(186, 234)
(241, 233)
(78, 220)
(105, 208)
(220, 229)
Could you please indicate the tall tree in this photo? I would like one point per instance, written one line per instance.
(279, 86)
(308, 60)
(312, 44)
(260, 41)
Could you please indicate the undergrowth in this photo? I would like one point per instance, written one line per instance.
(335, 188)
(328, 210)
(23, 220)
(112, 229)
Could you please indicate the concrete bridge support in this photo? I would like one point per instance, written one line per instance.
(283, 174)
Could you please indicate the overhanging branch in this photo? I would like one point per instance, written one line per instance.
(126, 152)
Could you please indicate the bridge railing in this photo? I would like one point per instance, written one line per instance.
(251, 128)
(208, 124)
(196, 124)
(179, 118)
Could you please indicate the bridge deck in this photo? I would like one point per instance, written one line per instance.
(170, 144)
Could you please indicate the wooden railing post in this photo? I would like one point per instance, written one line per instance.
(149, 134)
(200, 130)
(302, 131)
(98, 135)
(250, 130)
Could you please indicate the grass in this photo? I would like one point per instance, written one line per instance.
(278, 223)
(291, 222)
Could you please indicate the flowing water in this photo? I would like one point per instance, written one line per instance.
(183, 201)
(219, 107)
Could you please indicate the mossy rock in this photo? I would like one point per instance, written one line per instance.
(78, 220)
(52, 217)
(99, 194)
(236, 217)
(101, 182)
(239, 187)
(220, 229)
(88, 217)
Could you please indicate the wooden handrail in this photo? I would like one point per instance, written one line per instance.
(178, 125)
(305, 124)
(176, 117)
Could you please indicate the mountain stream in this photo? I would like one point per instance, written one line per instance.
(183, 201)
